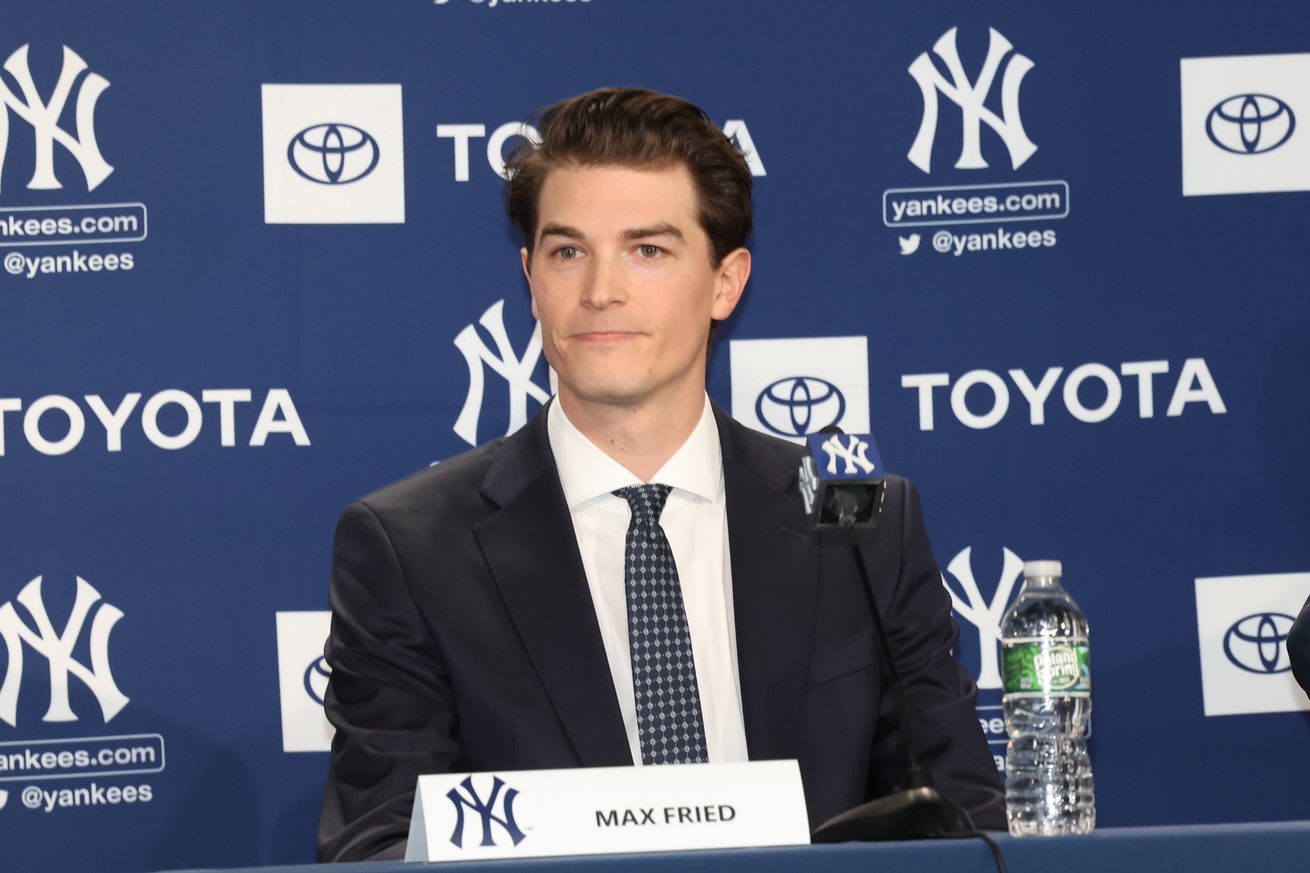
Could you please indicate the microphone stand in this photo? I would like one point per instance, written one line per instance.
(919, 810)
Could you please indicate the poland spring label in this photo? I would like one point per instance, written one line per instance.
(1040, 666)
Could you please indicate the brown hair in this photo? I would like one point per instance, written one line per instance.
(639, 128)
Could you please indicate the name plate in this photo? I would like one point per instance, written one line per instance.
(603, 810)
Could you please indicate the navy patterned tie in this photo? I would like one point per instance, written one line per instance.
(669, 720)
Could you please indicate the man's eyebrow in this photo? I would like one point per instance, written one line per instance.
(661, 229)
(560, 230)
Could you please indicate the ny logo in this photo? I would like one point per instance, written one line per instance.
(854, 453)
(486, 809)
(970, 97)
(43, 116)
(808, 482)
(517, 372)
(983, 615)
(57, 648)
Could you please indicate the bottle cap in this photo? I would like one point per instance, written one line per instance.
(1042, 568)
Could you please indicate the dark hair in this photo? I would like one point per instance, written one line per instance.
(637, 128)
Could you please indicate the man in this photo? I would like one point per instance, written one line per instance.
(546, 600)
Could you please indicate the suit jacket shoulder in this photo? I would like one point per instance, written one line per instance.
(437, 508)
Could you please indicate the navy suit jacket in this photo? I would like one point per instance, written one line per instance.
(464, 639)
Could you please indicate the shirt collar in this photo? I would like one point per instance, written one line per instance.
(585, 472)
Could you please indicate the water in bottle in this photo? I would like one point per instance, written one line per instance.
(1047, 700)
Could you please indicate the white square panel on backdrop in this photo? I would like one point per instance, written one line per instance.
(1242, 622)
(333, 154)
(1246, 124)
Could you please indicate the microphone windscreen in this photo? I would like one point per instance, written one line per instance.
(848, 464)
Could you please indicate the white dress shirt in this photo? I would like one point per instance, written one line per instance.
(695, 521)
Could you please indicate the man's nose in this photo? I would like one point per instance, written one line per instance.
(605, 283)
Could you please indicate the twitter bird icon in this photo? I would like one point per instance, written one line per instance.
(910, 244)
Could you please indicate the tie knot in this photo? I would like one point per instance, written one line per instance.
(646, 501)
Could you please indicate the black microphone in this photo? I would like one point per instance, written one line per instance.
(843, 485)
(841, 480)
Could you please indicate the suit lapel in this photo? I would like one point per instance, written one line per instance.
(774, 570)
(531, 549)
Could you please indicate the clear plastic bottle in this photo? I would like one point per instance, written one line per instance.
(1047, 700)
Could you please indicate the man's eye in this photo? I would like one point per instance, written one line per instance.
(567, 253)
(649, 251)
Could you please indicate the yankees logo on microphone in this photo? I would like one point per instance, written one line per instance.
(842, 480)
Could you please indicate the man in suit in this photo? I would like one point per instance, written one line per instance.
(548, 599)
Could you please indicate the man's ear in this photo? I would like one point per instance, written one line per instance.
(524, 258)
(730, 283)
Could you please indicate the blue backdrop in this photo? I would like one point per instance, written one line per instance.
(1049, 255)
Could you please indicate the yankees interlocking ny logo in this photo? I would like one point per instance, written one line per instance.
(486, 809)
(970, 97)
(981, 614)
(516, 371)
(43, 116)
(808, 482)
(854, 453)
(57, 648)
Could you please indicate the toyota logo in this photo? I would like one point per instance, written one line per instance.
(1257, 643)
(333, 154)
(799, 405)
(1249, 124)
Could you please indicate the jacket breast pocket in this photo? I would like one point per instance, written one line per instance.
(847, 656)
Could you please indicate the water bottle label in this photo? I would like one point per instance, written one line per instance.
(1044, 666)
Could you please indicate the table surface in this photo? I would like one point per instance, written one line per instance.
(1241, 848)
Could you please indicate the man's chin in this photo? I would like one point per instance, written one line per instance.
(606, 394)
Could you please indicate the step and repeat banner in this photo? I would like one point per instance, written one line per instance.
(255, 265)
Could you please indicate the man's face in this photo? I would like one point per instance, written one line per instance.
(623, 285)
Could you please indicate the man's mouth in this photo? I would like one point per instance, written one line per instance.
(604, 336)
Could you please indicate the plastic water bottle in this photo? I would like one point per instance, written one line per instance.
(1044, 656)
